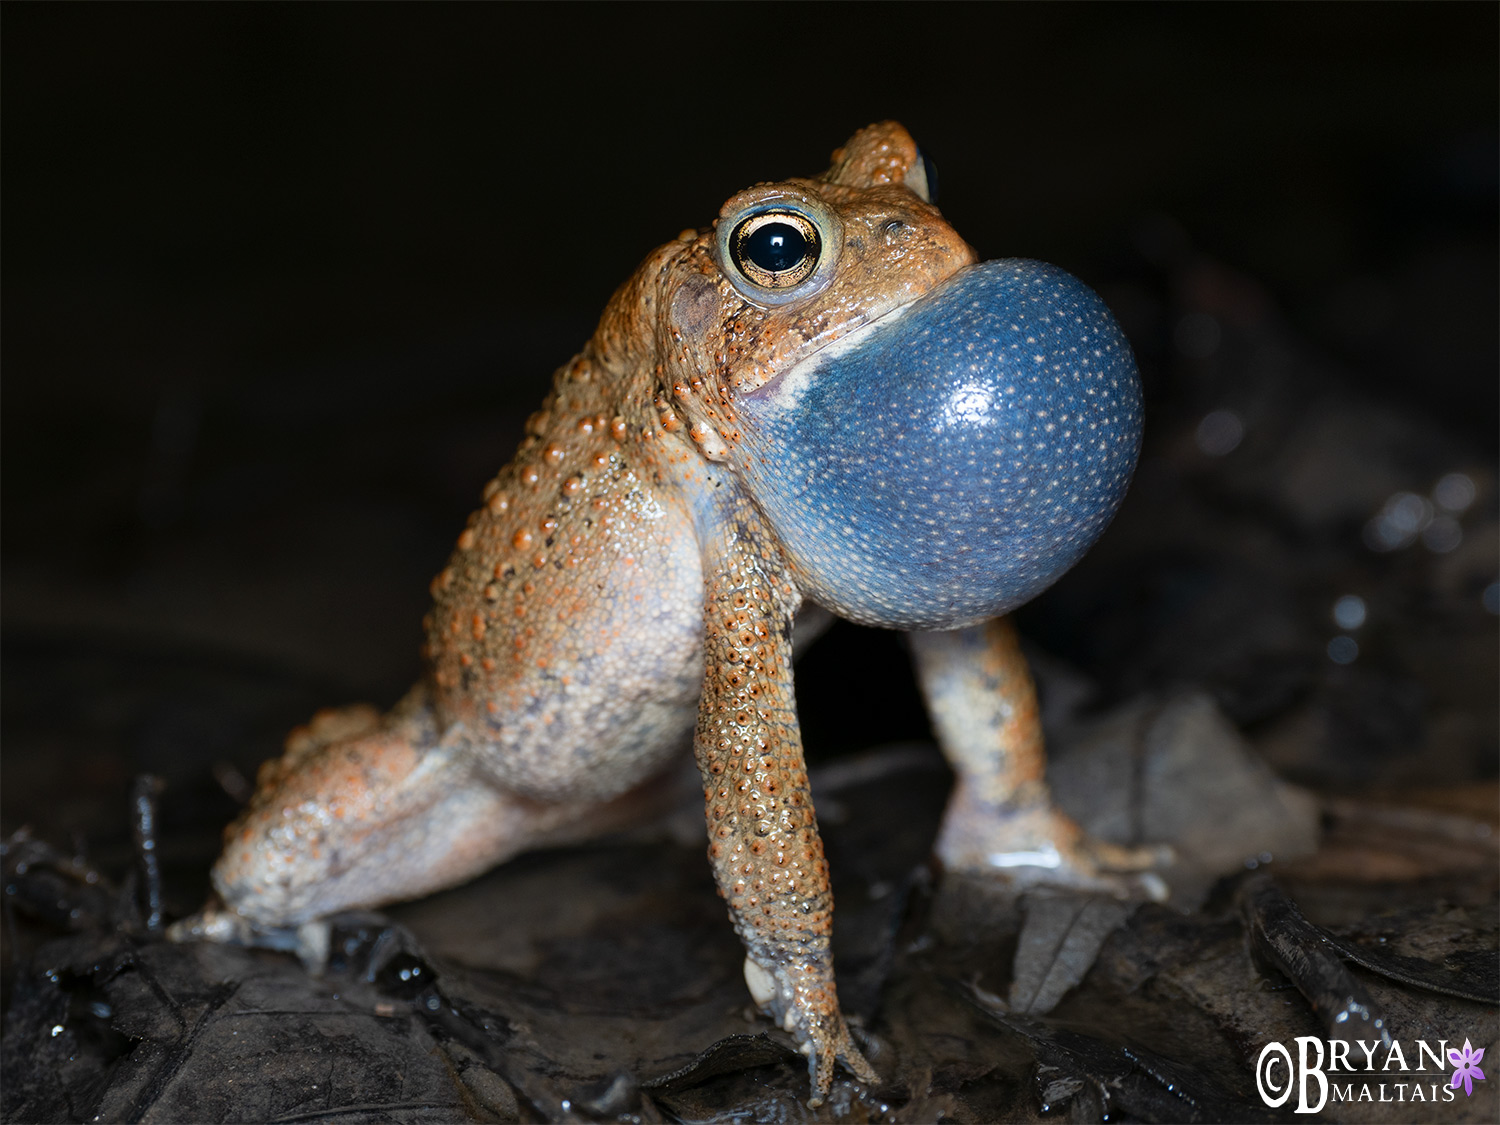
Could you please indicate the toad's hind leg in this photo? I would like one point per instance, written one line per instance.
(1001, 818)
(363, 810)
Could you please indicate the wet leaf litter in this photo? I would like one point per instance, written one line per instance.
(631, 1006)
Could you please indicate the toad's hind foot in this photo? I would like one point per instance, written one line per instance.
(1037, 845)
(309, 940)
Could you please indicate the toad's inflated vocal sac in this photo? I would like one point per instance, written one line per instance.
(820, 398)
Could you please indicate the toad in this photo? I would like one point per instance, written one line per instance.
(823, 399)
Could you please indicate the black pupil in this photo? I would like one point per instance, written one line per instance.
(776, 247)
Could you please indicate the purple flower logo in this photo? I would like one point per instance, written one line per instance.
(1467, 1062)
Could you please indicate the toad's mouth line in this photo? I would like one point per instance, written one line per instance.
(784, 392)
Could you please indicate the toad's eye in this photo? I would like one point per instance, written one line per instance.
(778, 245)
(776, 249)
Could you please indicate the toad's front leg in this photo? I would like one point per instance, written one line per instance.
(983, 706)
(763, 836)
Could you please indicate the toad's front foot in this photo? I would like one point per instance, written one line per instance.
(803, 1002)
(1036, 845)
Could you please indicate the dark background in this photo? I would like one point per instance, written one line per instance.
(281, 283)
